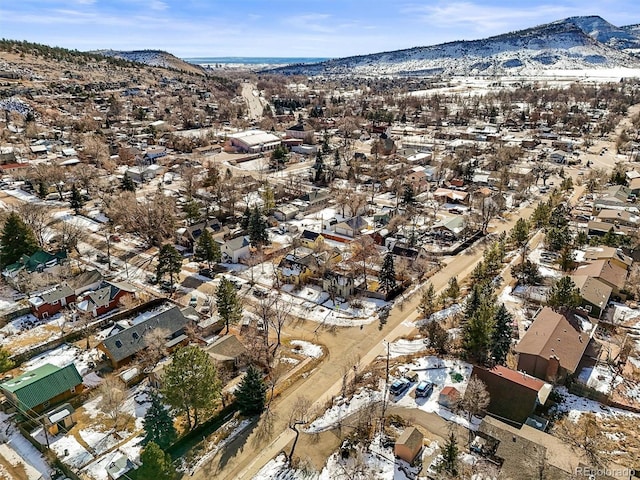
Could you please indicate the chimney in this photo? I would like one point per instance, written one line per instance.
(553, 366)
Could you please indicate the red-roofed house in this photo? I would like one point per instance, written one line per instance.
(514, 396)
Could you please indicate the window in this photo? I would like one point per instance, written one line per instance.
(118, 344)
(135, 335)
(73, 389)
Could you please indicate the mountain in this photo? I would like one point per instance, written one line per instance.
(154, 58)
(576, 43)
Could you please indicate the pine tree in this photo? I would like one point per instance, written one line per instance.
(449, 463)
(564, 295)
(246, 218)
(453, 289)
(77, 202)
(427, 305)
(387, 274)
(501, 335)
(169, 262)
(207, 249)
(156, 465)
(127, 184)
(229, 307)
(17, 239)
(158, 424)
(191, 210)
(258, 234)
(251, 393)
(477, 333)
(191, 385)
(408, 195)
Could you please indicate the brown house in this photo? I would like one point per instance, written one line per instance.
(606, 271)
(409, 444)
(513, 395)
(552, 347)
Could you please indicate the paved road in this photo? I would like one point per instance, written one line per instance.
(253, 102)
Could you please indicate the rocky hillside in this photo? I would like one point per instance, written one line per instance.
(154, 58)
(576, 43)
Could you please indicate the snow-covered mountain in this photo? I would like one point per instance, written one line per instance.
(576, 43)
(153, 58)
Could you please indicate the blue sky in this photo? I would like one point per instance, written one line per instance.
(284, 28)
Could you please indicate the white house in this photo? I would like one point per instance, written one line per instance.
(235, 249)
(254, 141)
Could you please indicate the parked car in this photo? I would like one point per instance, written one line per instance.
(259, 292)
(206, 272)
(411, 376)
(399, 386)
(424, 389)
(193, 302)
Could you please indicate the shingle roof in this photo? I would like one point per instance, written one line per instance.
(411, 438)
(605, 270)
(551, 334)
(130, 341)
(42, 384)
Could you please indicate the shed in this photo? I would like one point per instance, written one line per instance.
(409, 444)
(448, 397)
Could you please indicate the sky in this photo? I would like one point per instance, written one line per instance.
(284, 28)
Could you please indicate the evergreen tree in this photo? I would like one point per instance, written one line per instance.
(258, 234)
(527, 273)
(229, 307)
(251, 393)
(5, 360)
(437, 337)
(520, 236)
(449, 463)
(268, 198)
(477, 332)
(387, 274)
(427, 305)
(207, 249)
(246, 218)
(191, 383)
(453, 289)
(408, 195)
(501, 335)
(191, 210)
(473, 301)
(77, 202)
(43, 190)
(17, 239)
(158, 424)
(156, 465)
(169, 262)
(564, 295)
(127, 184)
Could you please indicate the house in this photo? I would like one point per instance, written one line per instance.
(339, 284)
(409, 444)
(105, 298)
(235, 249)
(285, 212)
(37, 262)
(297, 267)
(122, 346)
(513, 395)
(552, 347)
(312, 240)
(618, 217)
(38, 389)
(595, 294)
(300, 130)
(144, 173)
(608, 253)
(417, 178)
(449, 397)
(451, 227)
(87, 280)
(606, 271)
(229, 352)
(51, 301)
(351, 227)
(188, 236)
(445, 195)
(315, 199)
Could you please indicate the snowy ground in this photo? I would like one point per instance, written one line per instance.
(546, 269)
(374, 462)
(307, 349)
(17, 450)
(26, 332)
(344, 408)
(442, 373)
(600, 378)
(575, 406)
(406, 347)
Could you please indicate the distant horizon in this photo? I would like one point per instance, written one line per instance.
(285, 28)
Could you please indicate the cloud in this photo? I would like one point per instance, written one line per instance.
(485, 18)
(311, 22)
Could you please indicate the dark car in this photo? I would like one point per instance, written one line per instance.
(206, 272)
(424, 389)
(399, 386)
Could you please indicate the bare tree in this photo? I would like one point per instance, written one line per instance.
(280, 315)
(37, 217)
(362, 249)
(476, 398)
(586, 436)
(156, 348)
(300, 415)
(112, 392)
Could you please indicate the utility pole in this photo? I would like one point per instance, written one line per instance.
(386, 386)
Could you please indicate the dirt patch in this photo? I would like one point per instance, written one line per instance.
(11, 472)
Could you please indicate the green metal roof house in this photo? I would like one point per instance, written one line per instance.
(35, 263)
(42, 387)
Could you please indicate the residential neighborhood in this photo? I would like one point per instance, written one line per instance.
(380, 277)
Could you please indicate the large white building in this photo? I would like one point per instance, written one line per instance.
(254, 141)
